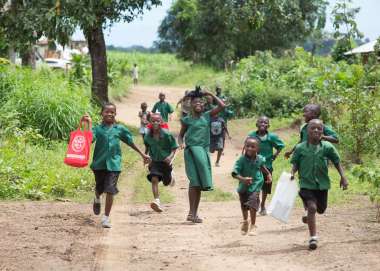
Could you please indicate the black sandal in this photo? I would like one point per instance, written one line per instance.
(197, 219)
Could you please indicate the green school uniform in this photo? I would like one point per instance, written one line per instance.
(267, 143)
(226, 114)
(246, 167)
(164, 108)
(107, 153)
(162, 148)
(327, 131)
(312, 163)
(197, 159)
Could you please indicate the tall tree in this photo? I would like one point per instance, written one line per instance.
(225, 30)
(346, 29)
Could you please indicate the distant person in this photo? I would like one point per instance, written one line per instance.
(268, 143)
(217, 135)
(135, 74)
(218, 91)
(144, 119)
(185, 103)
(249, 170)
(161, 146)
(310, 159)
(162, 107)
(106, 163)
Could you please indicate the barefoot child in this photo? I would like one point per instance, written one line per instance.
(144, 119)
(163, 107)
(249, 170)
(268, 142)
(195, 134)
(106, 163)
(162, 147)
(313, 111)
(310, 160)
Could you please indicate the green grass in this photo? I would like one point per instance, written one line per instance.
(142, 190)
(217, 195)
(166, 69)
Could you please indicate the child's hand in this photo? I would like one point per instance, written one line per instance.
(146, 158)
(288, 154)
(182, 146)
(86, 117)
(268, 179)
(246, 180)
(343, 183)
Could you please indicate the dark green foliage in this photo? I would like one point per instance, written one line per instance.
(218, 32)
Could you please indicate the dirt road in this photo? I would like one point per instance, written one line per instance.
(143, 240)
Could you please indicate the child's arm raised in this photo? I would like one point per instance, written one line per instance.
(220, 104)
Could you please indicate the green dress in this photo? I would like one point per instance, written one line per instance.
(197, 159)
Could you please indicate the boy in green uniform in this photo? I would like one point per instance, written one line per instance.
(195, 134)
(163, 108)
(106, 163)
(313, 111)
(268, 142)
(310, 160)
(249, 170)
(162, 147)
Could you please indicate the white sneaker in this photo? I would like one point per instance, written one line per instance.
(106, 223)
(156, 206)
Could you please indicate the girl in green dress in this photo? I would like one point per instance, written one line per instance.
(194, 137)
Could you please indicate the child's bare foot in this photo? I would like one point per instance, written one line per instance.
(252, 230)
(244, 227)
(156, 206)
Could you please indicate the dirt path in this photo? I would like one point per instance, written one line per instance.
(143, 240)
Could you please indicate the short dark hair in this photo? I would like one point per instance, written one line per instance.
(316, 108)
(104, 105)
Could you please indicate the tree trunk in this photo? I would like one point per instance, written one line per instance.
(12, 54)
(28, 57)
(97, 49)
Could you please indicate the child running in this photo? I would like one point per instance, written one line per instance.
(106, 163)
(249, 170)
(195, 135)
(217, 135)
(313, 111)
(310, 160)
(162, 107)
(162, 147)
(268, 142)
(144, 119)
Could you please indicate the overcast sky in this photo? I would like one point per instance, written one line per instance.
(143, 31)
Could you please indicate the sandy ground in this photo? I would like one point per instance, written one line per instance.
(67, 236)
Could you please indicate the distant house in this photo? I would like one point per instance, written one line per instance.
(50, 49)
(365, 50)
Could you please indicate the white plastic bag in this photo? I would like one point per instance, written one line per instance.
(284, 197)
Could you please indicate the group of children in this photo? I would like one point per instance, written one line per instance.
(253, 169)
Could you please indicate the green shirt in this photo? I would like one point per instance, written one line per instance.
(312, 163)
(161, 148)
(107, 153)
(246, 167)
(198, 130)
(226, 114)
(164, 109)
(327, 131)
(267, 143)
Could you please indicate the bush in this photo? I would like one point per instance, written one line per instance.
(43, 100)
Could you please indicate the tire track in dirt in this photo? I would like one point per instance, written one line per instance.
(143, 240)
